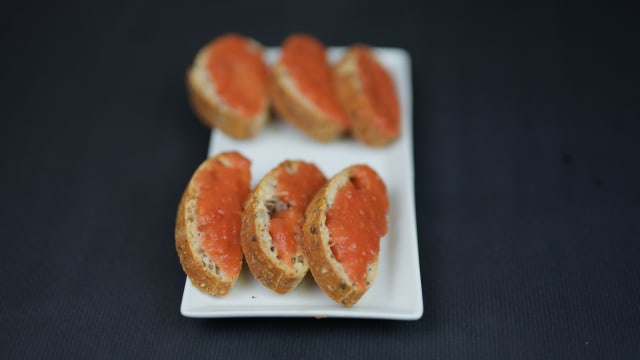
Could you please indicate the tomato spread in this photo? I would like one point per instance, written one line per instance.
(239, 73)
(222, 191)
(356, 221)
(306, 61)
(379, 92)
(295, 190)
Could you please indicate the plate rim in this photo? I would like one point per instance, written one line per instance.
(337, 311)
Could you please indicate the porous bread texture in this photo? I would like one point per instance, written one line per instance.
(261, 255)
(328, 273)
(295, 108)
(212, 110)
(203, 272)
(350, 92)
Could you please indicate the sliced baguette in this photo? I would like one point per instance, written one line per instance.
(342, 230)
(239, 106)
(368, 95)
(303, 92)
(209, 220)
(272, 224)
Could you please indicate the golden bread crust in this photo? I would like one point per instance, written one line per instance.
(300, 75)
(257, 245)
(211, 110)
(353, 99)
(201, 270)
(200, 277)
(326, 270)
(291, 105)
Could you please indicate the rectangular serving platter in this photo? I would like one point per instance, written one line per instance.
(397, 292)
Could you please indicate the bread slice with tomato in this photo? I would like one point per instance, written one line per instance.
(369, 97)
(228, 86)
(303, 91)
(272, 224)
(343, 227)
(208, 223)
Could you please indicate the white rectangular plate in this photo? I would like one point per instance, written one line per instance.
(396, 292)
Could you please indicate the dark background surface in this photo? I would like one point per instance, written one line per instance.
(526, 125)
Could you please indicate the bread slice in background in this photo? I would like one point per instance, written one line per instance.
(272, 224)
(342, 230)
(208, 223)
(228, 86)
(303, 91)
(369, 97)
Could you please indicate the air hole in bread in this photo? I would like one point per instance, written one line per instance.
(275, 205)
(357, 183)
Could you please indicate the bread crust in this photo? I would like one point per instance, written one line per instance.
(296, 108)
(257, 244)
(316, 243)
(211, 110)
(353, 99)
(200, 268)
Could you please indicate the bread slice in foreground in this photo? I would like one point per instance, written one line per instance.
(341, 234)
(303, 91)
(209, 220)
(272, 224)
(227, 86)
(368, 95)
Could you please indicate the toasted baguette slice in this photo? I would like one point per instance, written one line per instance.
(228, 86)
(209, 221)
(368, 95)
(272, 224)
(341, 234)
(303, 92)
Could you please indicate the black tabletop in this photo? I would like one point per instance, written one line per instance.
(526, 124)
